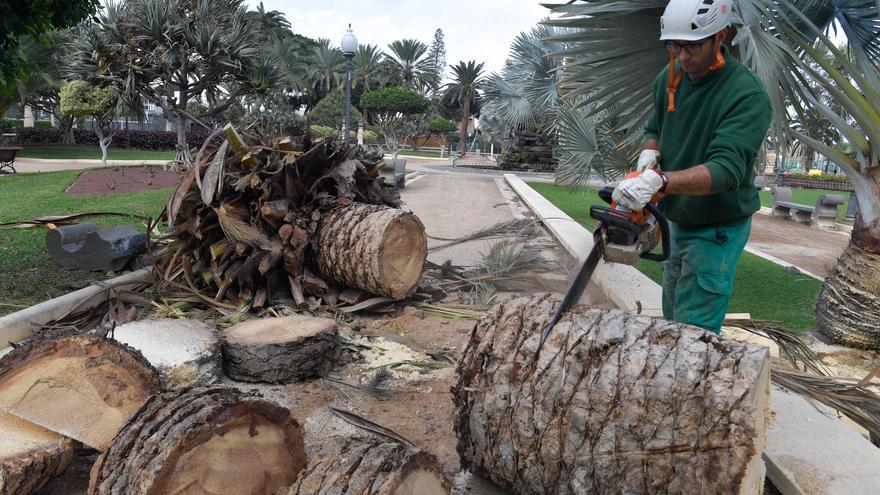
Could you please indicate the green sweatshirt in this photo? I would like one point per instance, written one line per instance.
(719, 121)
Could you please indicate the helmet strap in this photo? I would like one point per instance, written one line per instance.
(672, 84)
(720, 61)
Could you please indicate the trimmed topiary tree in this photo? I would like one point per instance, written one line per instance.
(84, 99)
(392, 109)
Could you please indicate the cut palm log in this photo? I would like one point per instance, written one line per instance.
(185, 352)
(374, 248)
(30, 455)
(207, 440)
(273, 350)
(371, 465)
(612, 403)
(82, 387)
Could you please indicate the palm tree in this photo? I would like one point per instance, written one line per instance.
(325, 67)
(409, 65)
(172, 53)
(367, 64)
(467, 82)
(615, 55)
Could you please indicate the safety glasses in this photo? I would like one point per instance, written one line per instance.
(692, 48)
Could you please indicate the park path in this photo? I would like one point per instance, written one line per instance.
(811, 249)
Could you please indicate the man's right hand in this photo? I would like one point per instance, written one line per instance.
(649, 158)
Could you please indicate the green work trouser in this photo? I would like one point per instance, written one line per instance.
(698, 276)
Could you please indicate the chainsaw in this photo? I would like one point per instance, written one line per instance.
(621, 236)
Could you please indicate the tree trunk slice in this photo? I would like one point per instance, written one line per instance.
(848, 306)
(208, 440)
(273, 350)
(373, 248)
(30, 455)
(82, 387)
(613, 403)
(372, 466)
(185, 352)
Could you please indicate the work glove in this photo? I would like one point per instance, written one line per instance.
(634, 193)
(648, 159)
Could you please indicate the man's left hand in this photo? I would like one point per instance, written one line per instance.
(634, 193)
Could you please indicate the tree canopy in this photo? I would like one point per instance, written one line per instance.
(33, 18)
(395, 99)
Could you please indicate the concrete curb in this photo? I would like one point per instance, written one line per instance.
(19, 325)
(98, 163)
(419, 157)
(782, 263)
(623, 285)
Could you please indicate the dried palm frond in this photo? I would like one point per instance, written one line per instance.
(450, 311)
(240, 231)
(521, 227)
(791, 345)
(843, 394)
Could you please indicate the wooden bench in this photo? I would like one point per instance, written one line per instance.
(7, 159)
(822, 215)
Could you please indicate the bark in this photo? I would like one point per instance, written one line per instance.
(372, 466)
(612, 403)
(208, 440)
(462, 140)
(83, 387)
(68, 131)
(374, 248)
(185, 352)
(848, 306)
(30, 455)
(288, 349)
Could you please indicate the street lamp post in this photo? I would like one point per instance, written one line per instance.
(349, 47)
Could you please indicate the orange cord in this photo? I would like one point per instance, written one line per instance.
(719, 58)
(672, 84)
(675, 80)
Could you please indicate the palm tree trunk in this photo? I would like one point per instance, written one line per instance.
(848, 306)
(462, 139)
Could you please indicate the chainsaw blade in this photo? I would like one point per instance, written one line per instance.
(575, 289)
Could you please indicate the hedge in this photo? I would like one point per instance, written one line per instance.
(134, 139)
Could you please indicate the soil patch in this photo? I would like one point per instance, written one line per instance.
(120, 180)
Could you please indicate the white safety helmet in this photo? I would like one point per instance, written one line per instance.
(692, 20)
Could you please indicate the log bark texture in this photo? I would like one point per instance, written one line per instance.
(82, 387)
(848, 306)
(374, 248)
(612, 403)
(30, 455)
(287, 349)
(185, 352)
(207, 440)
(372, 466)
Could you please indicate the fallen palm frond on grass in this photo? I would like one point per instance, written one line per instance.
(50, 221)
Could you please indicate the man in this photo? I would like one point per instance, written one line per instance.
(711, 115)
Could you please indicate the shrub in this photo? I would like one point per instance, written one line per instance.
(134, 139)
(320, 130)
(441, 126)
(829, 177)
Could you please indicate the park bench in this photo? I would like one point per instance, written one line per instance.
(7, 159)
(822, 215)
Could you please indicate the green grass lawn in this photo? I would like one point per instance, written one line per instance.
(28, 274)
(808, 197)
(89, 153)
(421, 154)
(761, 287)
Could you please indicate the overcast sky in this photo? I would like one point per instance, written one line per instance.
(480, 30)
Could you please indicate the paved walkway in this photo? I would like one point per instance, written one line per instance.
(811, 249)
(37, 165)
